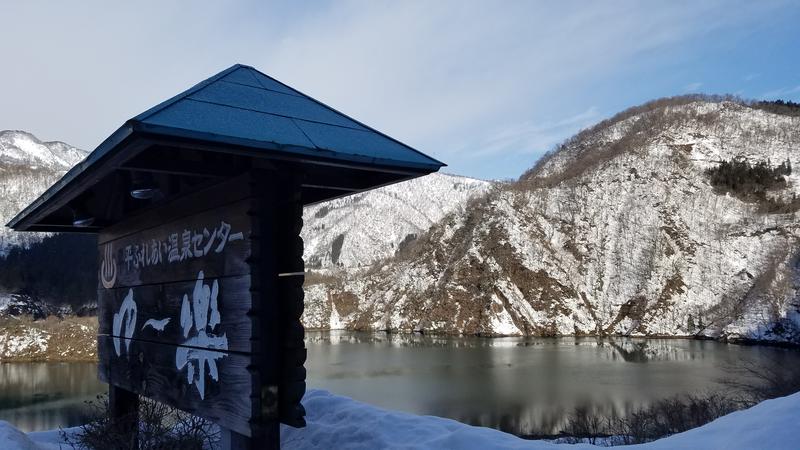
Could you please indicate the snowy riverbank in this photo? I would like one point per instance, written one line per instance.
(340, 422)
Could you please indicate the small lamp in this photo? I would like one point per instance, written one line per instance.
(143, 186)
(81, 218)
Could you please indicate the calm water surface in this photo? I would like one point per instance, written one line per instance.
(519, 385)
(46, 396)
(522, 385)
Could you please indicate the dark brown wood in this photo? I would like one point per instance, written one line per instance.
(264, 273)
(216, 242)
(288, 248)
(154, 370)
(256, 339)
(123, 408)
(206, 198)
(159, 308)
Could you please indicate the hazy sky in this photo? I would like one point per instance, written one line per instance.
(486, 87)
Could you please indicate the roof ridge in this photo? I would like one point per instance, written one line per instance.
(197, 87)
(346, 116)
(274, 114)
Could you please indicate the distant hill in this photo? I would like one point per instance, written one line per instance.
(675, 218)
(627, 228)
(356, 231)
(351, 232)
(28, 167)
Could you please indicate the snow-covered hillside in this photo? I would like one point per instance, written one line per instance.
(358, 230)
(620, 231)
(45, 339)
(28, 167)
(18, 148)
(350, 232)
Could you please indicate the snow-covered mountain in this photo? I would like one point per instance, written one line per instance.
(356, 231)
(350, 232)
(28, 167)
(18, 148)
(620, 232)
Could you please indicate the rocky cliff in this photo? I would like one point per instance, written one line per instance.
(619, 231)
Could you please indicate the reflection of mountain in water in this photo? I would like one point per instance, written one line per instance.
(634, 350)
(525, 386)
(339, 337)
(44, 396)
(641, 350)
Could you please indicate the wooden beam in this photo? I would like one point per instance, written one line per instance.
(181, 172)
(333, 188)
(62, 195)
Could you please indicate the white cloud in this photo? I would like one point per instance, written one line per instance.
(451, 78)
(775, 94)
(530, 137)
(692, 87)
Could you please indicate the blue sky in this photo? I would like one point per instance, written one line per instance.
(486, 87)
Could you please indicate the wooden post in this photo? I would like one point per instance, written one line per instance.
(291, 275)
(265, 427)
(123, 408)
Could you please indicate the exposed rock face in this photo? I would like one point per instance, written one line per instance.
(618, 232)
(28, 167)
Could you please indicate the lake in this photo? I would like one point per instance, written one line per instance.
(520, 385)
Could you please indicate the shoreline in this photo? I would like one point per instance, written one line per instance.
(723, 340)
(73, 339)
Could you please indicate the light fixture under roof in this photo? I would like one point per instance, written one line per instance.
(143, 186)
(144, 193)
(80, 218)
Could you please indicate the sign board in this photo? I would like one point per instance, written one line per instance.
(197, 203)
(189, 299)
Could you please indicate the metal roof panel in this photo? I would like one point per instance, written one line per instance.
(243, 108)
(262, 100)
(366, 144)
(230, 121)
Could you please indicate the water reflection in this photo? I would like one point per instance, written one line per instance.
(45, 396)
(520, 385)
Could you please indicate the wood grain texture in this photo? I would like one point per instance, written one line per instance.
(208, 198)
(260, 374)
(217, 242)
(159, 308)
(150, 369)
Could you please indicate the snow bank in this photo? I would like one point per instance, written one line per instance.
(13, 439)
(340, 422)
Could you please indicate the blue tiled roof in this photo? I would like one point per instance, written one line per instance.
(245, 107)
(255, 113)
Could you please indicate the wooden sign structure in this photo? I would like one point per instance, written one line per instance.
(189, 308)
(197, 204)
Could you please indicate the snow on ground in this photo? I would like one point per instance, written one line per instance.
(340, 422)
(29, 341)
(5, 299)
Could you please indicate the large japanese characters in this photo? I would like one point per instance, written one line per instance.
(175, 310)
